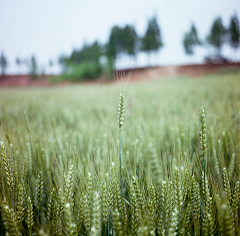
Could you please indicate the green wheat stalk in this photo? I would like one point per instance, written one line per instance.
(8, 170)
(121, 111)
(203, 142)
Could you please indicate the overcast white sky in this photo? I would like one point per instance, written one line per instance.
(48, 28)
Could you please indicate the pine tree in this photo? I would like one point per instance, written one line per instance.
(234, 33)
(217, 35)
(130, 40)
(191, 40)
(114, 46)
(152, 41)
(18, 61)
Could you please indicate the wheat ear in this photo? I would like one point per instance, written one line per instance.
(121, 111)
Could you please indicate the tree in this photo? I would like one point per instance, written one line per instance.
(50, 63)
(152, 39)
(234, 34)
(18, 61)
(3, 63)
(217, 35)
(130, 40)
(191, 40)
(115, 45)
(121, 40)
(33, 67)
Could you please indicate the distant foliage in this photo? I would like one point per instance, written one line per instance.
(89, 53)
(82, 64)
(80, 72)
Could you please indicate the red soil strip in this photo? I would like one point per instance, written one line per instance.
(135, 74)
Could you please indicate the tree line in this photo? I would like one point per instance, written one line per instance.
(92, 59)
(218, 36)
(86, 61)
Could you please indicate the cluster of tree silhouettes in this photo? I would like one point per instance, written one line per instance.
(86, 62)
(217, 37)
(92, 59)
(30, 63)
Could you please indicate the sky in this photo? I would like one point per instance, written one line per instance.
(49, 28)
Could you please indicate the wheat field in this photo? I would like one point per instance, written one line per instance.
(179, 173)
